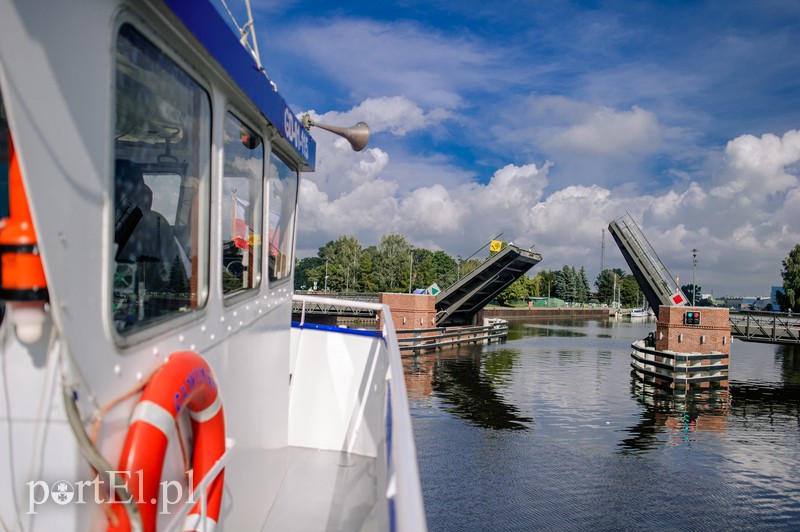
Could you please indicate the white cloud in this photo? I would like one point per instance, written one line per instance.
(431, 211)
(607, 132)
(756, 168)
(395, 114)
(512, 187)
(668, 206)
(441, 206)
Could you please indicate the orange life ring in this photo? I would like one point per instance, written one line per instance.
(184, 382)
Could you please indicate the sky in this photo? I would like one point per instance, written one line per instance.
(545, 120)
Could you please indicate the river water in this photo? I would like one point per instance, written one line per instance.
(550, 431)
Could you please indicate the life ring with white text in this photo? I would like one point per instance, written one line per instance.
(184, 382)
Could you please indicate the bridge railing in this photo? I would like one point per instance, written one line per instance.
(771, 327)
(371, 297)
(338, 303)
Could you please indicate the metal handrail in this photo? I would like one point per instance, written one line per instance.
(441, 339)
(177, 521)
(765, 327)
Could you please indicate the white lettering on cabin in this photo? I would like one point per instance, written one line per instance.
(295, 133)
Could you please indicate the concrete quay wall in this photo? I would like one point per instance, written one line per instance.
(543, 313)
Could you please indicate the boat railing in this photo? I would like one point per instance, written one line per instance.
(403, 491)
(178, 519)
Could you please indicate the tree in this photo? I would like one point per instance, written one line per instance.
(693, 293)
(366, 270)
(434, 267)
(629, 293)
(418, 257)
(561, 284)
(392, 264)
(789, 299)
(341, 258)
(547, 281)
(178, 281)
(583, 285)
(467, 266)
(516, 291)
(605, 284)
(534, 285)
(304, 273)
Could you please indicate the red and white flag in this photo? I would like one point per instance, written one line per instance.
(239, 228)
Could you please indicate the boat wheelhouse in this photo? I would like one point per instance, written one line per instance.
(152, 378)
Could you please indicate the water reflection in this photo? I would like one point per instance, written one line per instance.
(669, 412)
(606, 448)
(467, 382)
(787, 357)
(538, 330)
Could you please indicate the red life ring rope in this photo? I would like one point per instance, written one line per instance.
(184, 382)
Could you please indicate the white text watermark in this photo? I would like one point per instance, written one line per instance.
(97, 491)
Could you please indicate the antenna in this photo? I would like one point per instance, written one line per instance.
(603, 251)
(357, 136)
(251, 43)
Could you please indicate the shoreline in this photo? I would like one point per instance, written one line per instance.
(509, 313)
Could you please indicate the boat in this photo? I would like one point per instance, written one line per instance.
(642, 312)
(152, 376)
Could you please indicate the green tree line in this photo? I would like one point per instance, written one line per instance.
(344, 265)
(789, 297)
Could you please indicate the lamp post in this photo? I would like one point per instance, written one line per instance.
(410, 267)
(694, 267)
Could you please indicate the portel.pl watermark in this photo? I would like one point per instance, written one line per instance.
(97, 491)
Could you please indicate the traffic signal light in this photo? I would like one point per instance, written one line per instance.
(691, 318)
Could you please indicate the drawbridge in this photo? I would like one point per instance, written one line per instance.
(655, 281)
(458, 304)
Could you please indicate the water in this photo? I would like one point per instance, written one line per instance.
(550, 431)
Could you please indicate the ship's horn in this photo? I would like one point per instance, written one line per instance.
(357, 136)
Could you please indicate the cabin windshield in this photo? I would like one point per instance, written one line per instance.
(242, 193)
(282, 204)
(160, 178)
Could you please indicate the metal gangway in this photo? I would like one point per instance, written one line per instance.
(348, 307)
(459, 303)
(654, 279)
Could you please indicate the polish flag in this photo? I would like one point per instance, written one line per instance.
(274, 248)
(239, 227)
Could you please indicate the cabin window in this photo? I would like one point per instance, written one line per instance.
(282, 202)
(242, 192)
(160, 181)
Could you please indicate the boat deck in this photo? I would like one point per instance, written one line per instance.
(321, 490)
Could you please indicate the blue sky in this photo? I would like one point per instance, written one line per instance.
(546, 120)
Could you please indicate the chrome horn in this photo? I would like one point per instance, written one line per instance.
(357, 136)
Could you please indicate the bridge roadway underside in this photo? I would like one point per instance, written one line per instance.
(646, 266)
(459, 304)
